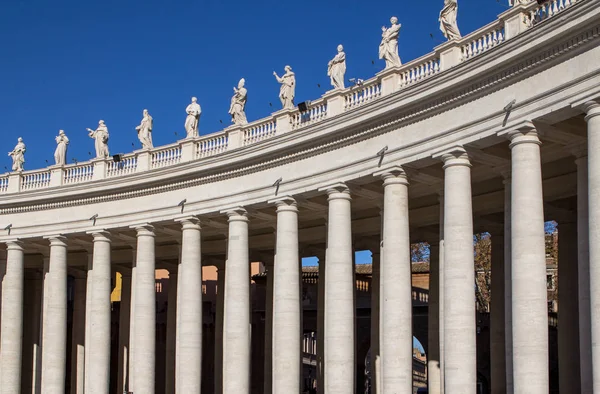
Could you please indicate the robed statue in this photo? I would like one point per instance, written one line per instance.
(448, 24)
(18, 155)
(193, 117)
(144, 131)
(288, 87)
(388, 48)
(100, 136)
(336, 68)
(60, 154)
(238, 104)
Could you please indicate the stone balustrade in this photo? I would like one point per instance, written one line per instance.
(390, 81)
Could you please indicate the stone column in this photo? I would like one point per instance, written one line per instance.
(12, 320)
(219, 329)
(375, 317)
(529, 293)
(508, 348)
(339, 294)
(236, 336)
(97, 351)
(189, 310)
(145, 312)
(54, 342)
(568, 316)
(286, 299)
(396, 291)
(268, 379)
(583, 273)
(497, 320)
(78, 336)
(171, 342)
(460, 356)
(124, 321)
(321, 325)
(433, 336)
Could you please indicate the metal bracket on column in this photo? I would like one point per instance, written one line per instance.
(182, 204)
(276, 185)
(94, 218)
(8, 228)
(381, 154)
(507, 109)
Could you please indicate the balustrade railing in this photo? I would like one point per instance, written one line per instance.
(547, 10)
(35, 180)
(3, 184)
(127, 165)
(482, 40)
(259, 131)
(211, 145)
(420, 69)
(78, 173)
(316, 112)
(362, 94)
(166, 156)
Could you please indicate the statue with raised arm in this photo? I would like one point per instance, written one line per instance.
(193, 118)
(60, 154)
(448, 24)
(144, 131)
(288, 87)
(238, 104)
(18, 155)
(336, 68)
(388, 48)
(100, 136)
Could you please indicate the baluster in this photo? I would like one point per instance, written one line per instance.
(485, 42)
(554, 7)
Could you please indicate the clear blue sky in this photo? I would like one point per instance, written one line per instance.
(67, 64)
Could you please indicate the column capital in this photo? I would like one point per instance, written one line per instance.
(57, 240)
(14, 245)
(454, 156)
(236, 214)
(591, 108)
(100, 235)
(285, 203)
(189, 223)
(144, 230)
(392, 175)
(525, 133)
(337, 191)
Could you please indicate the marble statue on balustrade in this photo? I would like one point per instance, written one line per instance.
(336, 68)
(448, 24)
(60, 154)
(18, 155)
(388, 48)
(238, 104)
(100, 136)
(144, 131)
(518, 2)
(288, 87)
(193, 118)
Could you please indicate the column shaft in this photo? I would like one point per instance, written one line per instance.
(339, 295)
(189, 310)
(459, 278)
(145, 312)
(97, 351)
(124, 321)
(236, 341)
(78, 337)
(497, 320)
(396, 300)
(12, 320)
(286, 299)
(529, 293)
(54, 343)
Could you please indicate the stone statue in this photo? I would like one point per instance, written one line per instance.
(336, 68)
(100, 135)
(18, 155)
(518, 2)
(60, 154)
(145, 131)
(238, 104)
(448, 24)
(288, 87)
(388, 49)
(193, 117)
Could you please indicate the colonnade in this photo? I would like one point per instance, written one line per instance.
(524, 326)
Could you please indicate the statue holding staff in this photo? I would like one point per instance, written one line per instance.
(144, 131)
(336, 68)
(288, 87)
(388, 48)
(100, 136)
(18, 155)
(60, 154)
(193, 118)
(448, 24)
(238, 104)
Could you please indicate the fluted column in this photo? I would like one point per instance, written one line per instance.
(219, 317)
(145, 312)
(12, 320)
(568, 314)
(78, 336)
(583, 273)
(433, 327)
(236, 345)
(529, 293)
(286, 299)
(97, 351)
(124, 321)
(497, 319)
(54, 343)
(339, 294)
(396, 297)
(189, 310)
(171, 341)
(460, 357)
